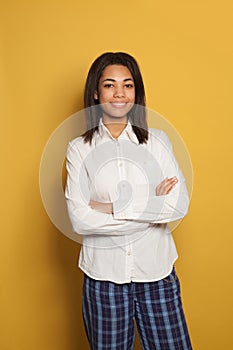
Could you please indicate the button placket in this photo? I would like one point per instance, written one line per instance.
(119, 160)
(129, 260)
(120, 163)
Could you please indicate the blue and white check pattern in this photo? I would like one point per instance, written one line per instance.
(110, 311)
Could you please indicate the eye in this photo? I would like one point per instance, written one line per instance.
(108, 85)
(129, 86)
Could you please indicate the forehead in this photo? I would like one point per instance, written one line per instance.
(116, 71)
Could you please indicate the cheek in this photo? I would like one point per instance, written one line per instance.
(105, 95)
(131, 95)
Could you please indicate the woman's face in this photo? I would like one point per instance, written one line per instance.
(116, 92)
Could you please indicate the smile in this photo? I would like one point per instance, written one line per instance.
(118, 104)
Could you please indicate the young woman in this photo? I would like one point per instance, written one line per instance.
(123, 187)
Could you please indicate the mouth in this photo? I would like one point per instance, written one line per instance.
(118, 104)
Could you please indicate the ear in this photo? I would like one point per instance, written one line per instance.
(96, 95)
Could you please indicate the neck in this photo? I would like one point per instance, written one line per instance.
(115, 125)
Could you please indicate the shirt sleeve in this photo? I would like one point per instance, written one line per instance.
(84, 219)
(145, 206)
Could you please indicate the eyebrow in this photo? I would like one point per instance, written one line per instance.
(110, 79)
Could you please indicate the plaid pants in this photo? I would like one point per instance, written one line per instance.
(109, 311)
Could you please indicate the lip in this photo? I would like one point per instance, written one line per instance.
(118, 104)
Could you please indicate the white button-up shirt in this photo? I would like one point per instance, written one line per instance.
(134, 243)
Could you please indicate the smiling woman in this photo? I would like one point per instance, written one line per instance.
(116, 94)
(123, 186)
(125, 67)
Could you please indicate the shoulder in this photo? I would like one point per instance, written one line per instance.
(159, 136)
(77, 146)
(76, 142)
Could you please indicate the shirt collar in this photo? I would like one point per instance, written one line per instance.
(128, 131)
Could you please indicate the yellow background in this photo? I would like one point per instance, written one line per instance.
(185, 52)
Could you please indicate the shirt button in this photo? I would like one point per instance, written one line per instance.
(129, 253)
(120, 164)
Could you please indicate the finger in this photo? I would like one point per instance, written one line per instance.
(166, 185)
(163, 182)
(173, 179)
(169, 186)
(168, 189)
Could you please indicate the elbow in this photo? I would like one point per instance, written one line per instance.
(185, 206)
(181, 208)
(78, 219)
(80, 226)
(185, 212)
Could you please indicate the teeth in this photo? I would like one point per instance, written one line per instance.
(118, 104)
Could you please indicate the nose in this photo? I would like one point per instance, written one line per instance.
(119, 91)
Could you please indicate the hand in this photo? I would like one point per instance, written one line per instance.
(102, 207)
(166, 186)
